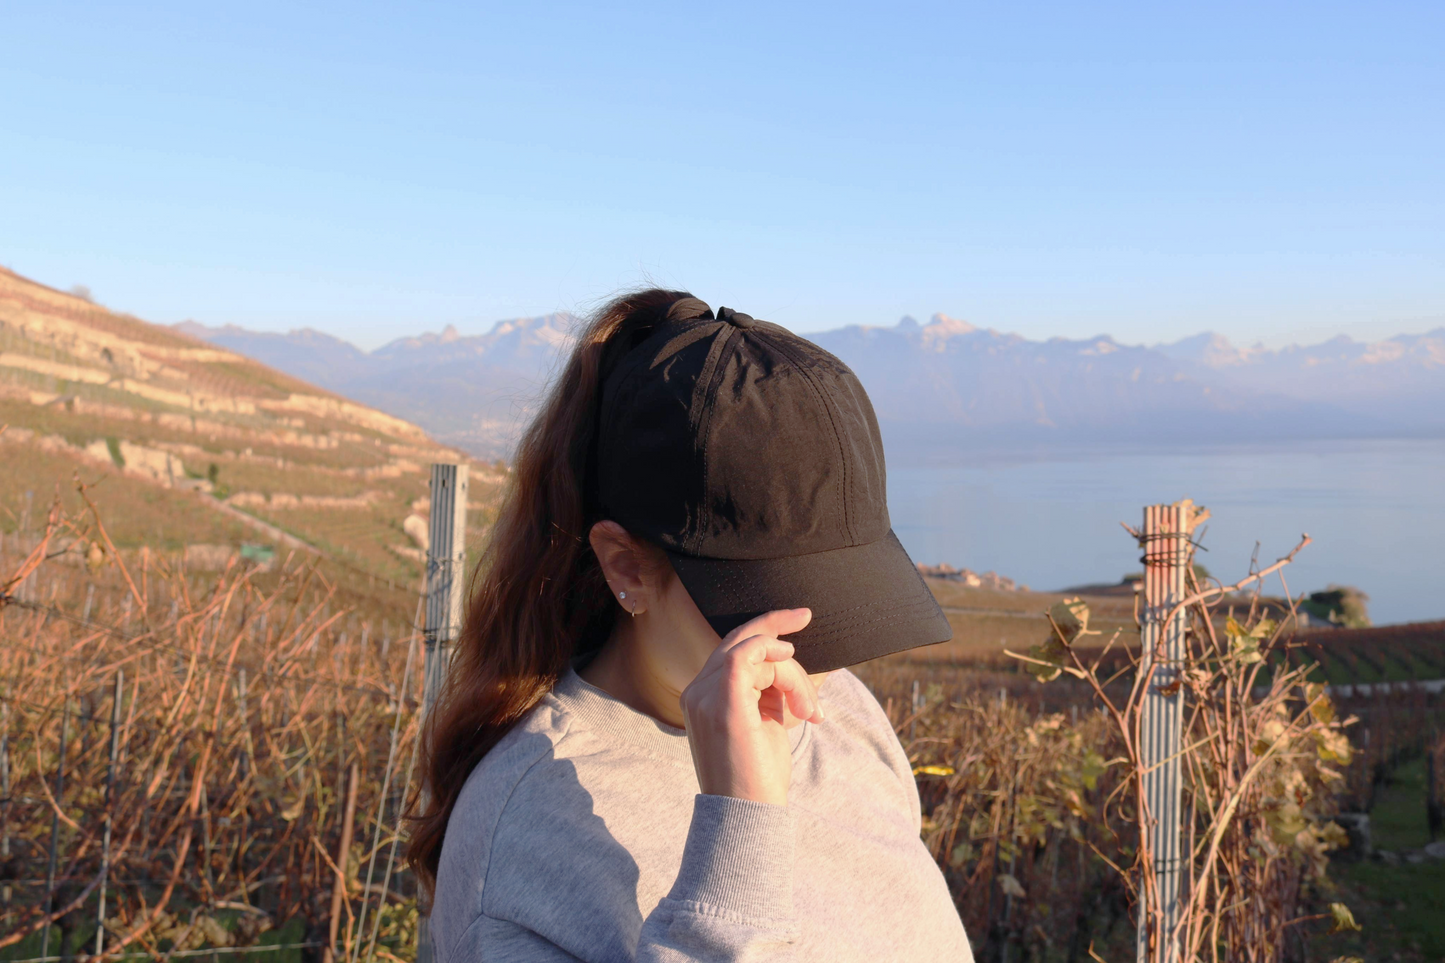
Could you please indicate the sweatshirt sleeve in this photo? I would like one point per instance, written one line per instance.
(732, 901)
(733, 897)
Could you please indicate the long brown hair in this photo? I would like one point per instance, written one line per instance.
(538, 598)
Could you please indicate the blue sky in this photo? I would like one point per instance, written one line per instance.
(1265, 170)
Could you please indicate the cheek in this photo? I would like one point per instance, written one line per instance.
(686, 620)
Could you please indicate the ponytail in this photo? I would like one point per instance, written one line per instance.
(538, 597)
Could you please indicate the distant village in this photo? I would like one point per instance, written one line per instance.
(970, 578)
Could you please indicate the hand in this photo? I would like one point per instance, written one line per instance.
(738, 708)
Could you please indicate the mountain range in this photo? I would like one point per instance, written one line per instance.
(940, 389)
(473, 392)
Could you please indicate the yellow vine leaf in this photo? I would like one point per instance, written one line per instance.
(1334, 747)
(1343, 918)
(1320, 705)
(1072, 618)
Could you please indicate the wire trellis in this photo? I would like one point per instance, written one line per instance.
(180, 954)
(212, 748)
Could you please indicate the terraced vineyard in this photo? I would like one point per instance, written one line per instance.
(196, 451)
(1390, 653)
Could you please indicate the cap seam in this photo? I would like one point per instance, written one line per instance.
(820, 397)
(709, 369)
(705, 429)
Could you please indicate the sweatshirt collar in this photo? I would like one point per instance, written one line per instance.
(607, 715)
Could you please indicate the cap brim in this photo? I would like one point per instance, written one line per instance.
(867, 600)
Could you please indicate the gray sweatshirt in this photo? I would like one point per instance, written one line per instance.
(582, 836)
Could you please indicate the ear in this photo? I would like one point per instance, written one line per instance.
(624, 565)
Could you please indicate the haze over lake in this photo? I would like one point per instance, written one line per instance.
(1374, 509)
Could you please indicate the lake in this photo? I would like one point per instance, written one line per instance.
(1376, 511)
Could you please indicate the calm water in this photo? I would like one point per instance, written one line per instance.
(1376, 511)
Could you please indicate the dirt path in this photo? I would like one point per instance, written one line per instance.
(266, 528)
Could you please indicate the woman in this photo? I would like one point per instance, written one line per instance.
(629, 761)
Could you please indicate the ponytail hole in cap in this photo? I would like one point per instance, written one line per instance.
(735, 318)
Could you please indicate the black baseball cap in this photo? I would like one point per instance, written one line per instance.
(753, 457)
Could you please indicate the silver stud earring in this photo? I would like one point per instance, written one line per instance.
(622, 595)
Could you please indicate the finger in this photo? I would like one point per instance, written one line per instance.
(749, 654)
(784, 680)
(764, 648)
(775, 623)
(733, 671)
(773, 706)
(763, 673)
(798, 688)
(754, 665)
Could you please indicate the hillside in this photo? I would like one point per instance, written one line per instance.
(941, 389)
(197, 451)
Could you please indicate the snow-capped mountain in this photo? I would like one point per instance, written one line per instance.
(940, 389)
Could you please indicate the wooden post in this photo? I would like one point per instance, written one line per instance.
(445, 575)
(1168, 552)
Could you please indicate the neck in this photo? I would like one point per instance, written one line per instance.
(629, 670)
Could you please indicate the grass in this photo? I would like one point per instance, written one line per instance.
(253, 476)
(1398, 819)
(1401, 907)
(985, 622)
(137, 512)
